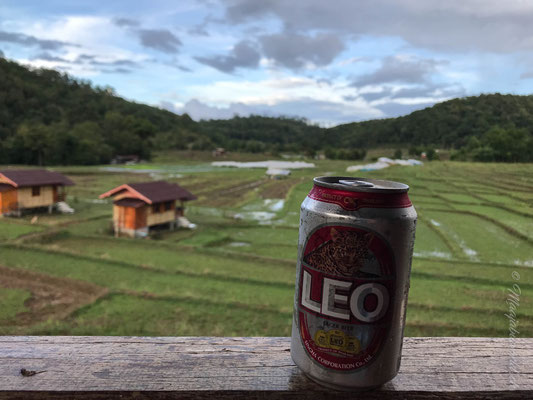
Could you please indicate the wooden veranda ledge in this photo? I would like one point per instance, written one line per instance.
(233, 368)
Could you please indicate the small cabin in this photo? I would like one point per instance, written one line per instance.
(139, 206)
(219, 151)
(31, 189)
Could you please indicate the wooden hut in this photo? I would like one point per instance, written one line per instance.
(30, 188)
(139, 206)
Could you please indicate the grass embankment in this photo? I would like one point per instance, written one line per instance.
(12, 301)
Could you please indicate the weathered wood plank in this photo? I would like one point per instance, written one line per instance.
(218, 367)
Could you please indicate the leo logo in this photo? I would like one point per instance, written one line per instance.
(367, 302)
(346, 295)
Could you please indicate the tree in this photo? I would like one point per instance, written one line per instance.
(330, 153)
(90, 147)
(398, 154)
(35, 140)
(431, 154)
(415, 151)
(508, 145)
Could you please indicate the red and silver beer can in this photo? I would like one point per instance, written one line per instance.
(354, 260)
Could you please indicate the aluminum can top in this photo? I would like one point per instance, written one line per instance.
(353, 184)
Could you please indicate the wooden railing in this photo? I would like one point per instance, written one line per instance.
(235, 368)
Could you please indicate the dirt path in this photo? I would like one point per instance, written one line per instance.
(229, 196)
(278, 189)
(51, 297)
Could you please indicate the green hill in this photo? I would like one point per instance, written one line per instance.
(491, 127)
(47, 117)
(258, 134)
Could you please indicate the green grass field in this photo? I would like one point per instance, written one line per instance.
(12, 301)
(234, 274)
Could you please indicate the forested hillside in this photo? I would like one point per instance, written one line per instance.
(258, 134)
(490, 127)
(50, 118)
(47, 118)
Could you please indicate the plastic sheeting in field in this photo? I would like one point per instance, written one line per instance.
(383, 162)
(265, 164)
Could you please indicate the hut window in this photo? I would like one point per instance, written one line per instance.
(168, 206)
(35, 191)
(158, 208)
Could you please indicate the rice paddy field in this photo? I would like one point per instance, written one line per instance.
(234, 274)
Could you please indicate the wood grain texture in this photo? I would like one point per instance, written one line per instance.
(233, 367)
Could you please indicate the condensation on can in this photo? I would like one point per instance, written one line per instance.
(355, 247)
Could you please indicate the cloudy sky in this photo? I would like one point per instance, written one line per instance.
(330, 62)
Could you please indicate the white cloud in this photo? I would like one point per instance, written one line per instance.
(454, 25)
(289, 95)
(297, 59)
(290, 82)
(480, 8)
(267, 91)
(318, 111)
(97, 38)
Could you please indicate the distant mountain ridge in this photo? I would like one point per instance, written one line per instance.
(489, 127)
(449, 124)
(47, 117)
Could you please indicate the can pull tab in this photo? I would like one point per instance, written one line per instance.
(355, 183)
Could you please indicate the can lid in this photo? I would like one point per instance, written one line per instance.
(356, 183)
(353, 184)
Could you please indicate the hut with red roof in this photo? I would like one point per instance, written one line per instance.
(22, 189)
(139, 206)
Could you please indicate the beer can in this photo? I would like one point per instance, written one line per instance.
(355, 247)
